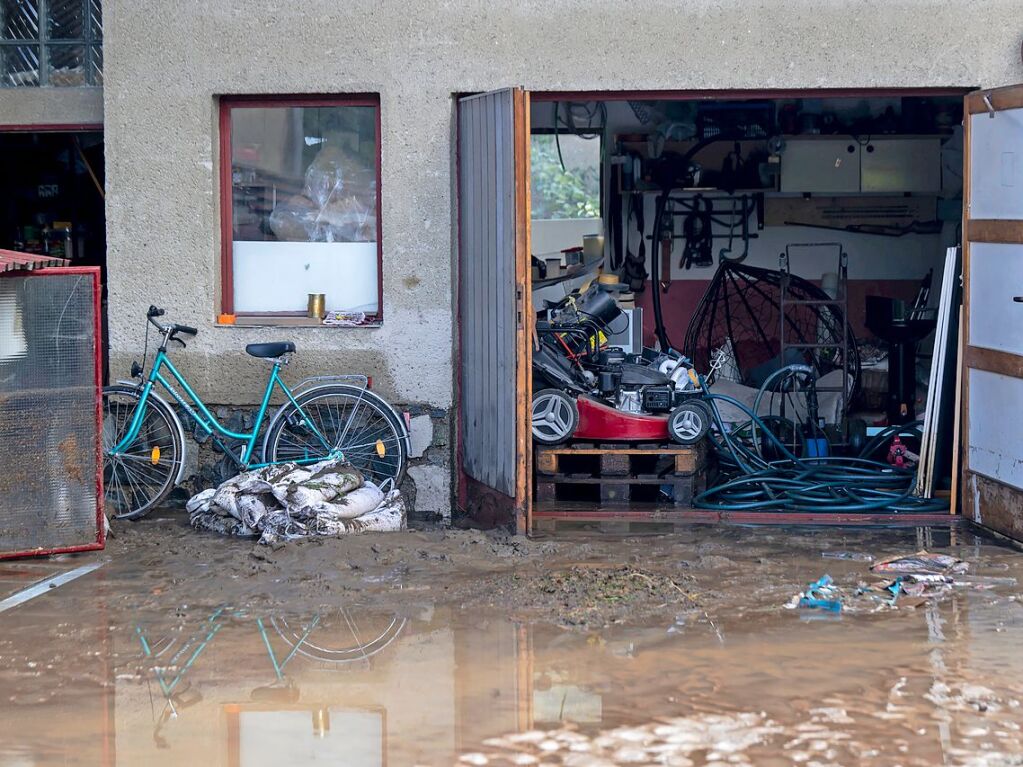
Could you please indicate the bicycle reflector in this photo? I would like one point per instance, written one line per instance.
(154, 455)
(381, 450)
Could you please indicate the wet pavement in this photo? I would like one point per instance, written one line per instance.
(143, 664)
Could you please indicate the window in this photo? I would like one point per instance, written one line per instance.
(51, 42)
(565, 184)
(301, 205)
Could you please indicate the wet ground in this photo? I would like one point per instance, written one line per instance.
(460, 647)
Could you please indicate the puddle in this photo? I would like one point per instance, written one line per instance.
(98, 673)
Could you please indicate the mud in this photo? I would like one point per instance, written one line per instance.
(462, 647)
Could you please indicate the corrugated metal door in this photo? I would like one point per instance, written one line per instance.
(493, 301)
(992, 483)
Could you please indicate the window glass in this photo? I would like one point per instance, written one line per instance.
(51, 42)
(304, 215)
(565, 184)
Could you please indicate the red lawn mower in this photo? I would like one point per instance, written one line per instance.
(584, 389)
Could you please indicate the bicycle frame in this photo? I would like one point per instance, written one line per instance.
(206, 421)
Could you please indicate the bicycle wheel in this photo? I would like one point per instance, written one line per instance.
(136, 480)
(353, 420)
(339, 636)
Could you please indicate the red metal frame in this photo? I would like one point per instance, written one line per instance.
(701, 516)
(101, 532)
(743, 94)
(53, 128)
(227, 103)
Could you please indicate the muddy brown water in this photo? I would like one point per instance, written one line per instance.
(417, 649)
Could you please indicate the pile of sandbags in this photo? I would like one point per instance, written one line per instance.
(289, 501)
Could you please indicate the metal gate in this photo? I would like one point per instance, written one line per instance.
(50, 456)
(493, 300)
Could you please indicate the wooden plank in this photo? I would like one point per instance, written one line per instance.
(954, 504)
(994, 505)
(994, 361)
(546, 462)
(522, 310)
(1007, 97)
(665, 450)
(995, 230)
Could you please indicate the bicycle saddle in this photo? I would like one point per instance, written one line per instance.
(270, 350)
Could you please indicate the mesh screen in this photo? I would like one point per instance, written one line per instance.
(48, 467)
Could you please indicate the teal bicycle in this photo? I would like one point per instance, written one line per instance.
(325, 417)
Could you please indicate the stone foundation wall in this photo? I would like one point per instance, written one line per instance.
(427, 483)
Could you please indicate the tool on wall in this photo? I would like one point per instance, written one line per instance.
(698, 229)
(665, 242)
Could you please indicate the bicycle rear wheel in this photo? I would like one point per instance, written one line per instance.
(138, 479)
(353, 420)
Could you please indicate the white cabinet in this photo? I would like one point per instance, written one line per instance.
(844, 164)
(901, 165)
(821, 165)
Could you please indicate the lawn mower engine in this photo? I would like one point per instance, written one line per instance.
(586, 390)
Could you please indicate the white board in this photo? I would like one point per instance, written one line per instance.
(279, 276)
(996, 165)
(995, 438)
(996, 276)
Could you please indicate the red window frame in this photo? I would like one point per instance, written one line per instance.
(227, 103)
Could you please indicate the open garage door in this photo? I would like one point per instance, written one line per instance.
(494, 313)
(992, 486)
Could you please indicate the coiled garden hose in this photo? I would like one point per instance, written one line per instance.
(822, 485)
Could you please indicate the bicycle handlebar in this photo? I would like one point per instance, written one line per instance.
(170, 328)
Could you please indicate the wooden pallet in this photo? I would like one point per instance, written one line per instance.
(619, 474)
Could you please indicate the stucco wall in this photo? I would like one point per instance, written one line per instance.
(167, 61)
(51, 106)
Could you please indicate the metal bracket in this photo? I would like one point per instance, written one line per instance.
(986, 98)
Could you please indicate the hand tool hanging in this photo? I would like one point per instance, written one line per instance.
(698, 229)
(665, 241)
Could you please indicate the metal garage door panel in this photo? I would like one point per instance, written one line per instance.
(996, 278)
(996, 165)
(487, 287)
(995, 439)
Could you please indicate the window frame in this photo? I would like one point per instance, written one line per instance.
(229, 102)
(600, 166)
(89, 42)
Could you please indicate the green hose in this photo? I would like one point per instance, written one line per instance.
(822, 485)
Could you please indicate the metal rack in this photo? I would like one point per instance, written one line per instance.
(816, 348)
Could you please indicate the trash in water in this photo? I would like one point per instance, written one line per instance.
(921, 562)
(288, 501)
(858, 556)
(819, 595)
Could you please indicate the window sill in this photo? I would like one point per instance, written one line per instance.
(269, 321)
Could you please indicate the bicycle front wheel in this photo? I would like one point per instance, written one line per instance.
(140, 477)
(352, 420)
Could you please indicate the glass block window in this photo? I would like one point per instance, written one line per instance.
(51, 42)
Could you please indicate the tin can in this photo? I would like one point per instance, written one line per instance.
(317, 305)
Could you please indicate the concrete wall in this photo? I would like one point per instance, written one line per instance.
(165, 67)
(51, 106)
(167, 62)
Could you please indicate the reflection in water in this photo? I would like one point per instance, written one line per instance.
(424, 684)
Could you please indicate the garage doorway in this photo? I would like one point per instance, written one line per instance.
(52, 195)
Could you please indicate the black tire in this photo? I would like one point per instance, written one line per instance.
(554, 417)
(135, 482)
(333, 407)
(689, 422)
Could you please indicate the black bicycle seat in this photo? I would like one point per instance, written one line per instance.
(270, 350)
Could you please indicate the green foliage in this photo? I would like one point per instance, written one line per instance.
(570, 193)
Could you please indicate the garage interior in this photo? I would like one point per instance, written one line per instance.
(757, 235)
(51, 196)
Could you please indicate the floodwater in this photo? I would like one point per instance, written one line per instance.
(112, 669)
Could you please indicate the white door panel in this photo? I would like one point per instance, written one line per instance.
(996, 276)
(995, 437)
(996, 165)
